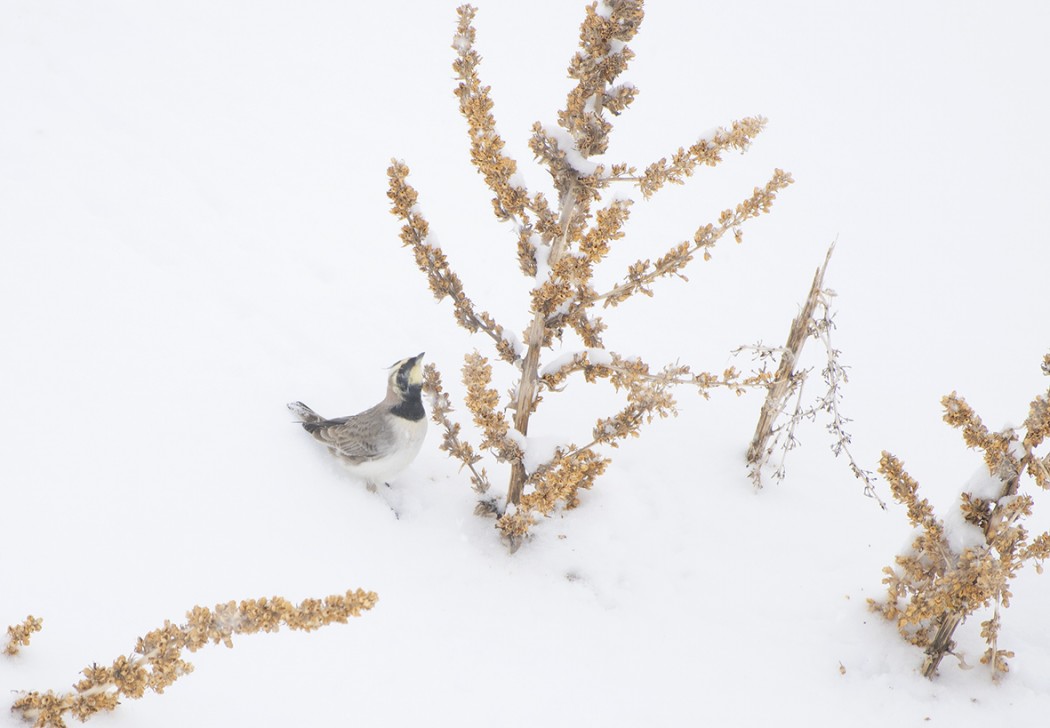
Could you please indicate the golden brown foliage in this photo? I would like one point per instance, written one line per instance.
(18, 635)
(555, 483)
(483, 403)
(559, 246)
(934, 587)
(707, 152)
(157, 660)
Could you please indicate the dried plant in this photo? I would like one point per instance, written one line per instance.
(558, 247)
(18, 635)
(950, 574)
(157, 660)
(775, 431)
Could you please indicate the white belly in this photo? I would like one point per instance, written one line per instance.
(409, 436)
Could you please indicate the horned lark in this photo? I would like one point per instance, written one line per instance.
(380, 442)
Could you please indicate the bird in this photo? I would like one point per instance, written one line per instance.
(377, 444)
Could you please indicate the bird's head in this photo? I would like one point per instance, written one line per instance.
(406, 377)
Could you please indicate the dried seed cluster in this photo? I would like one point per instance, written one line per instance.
(18, 635)
(559, 246)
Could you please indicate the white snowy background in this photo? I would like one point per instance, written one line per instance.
(194, 231)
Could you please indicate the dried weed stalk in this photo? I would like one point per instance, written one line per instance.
(157, 660)
(559, 245)
(18, 635)
(939, 583)
(775, 431)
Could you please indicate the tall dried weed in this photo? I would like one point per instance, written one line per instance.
(559, 245)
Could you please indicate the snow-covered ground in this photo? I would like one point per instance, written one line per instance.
(194, 231)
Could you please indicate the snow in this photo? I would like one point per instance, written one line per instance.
(541, 450)
(960, 533)
(983, 484)
(600, 357)
(543, 255)
(583, 165)
(514, 341)
(461, 43)
(518, 438)
(195, 231)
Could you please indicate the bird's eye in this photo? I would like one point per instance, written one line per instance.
(402, 378)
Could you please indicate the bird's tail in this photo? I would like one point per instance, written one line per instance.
(306, 415)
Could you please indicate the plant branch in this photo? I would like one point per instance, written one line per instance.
(642, 274)
(158, 661)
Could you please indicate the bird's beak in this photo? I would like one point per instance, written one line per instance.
(415, 375)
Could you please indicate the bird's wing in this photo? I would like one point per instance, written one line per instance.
(358, 438)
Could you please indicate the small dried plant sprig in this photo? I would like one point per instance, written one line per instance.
(622, 371)
(834, 375)
(511, 202)
(1037, 429)
(451, 441)
(602, 57)
(641, 274)
(475, 104)
(933, 588)
(18, 635)
(707, 152)
(994, 445)
(484, 405)
(775, 431)
(444, 283)
(157, 661)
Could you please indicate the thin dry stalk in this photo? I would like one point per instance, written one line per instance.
(942, 643)
(775, 430)
(786, 380)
